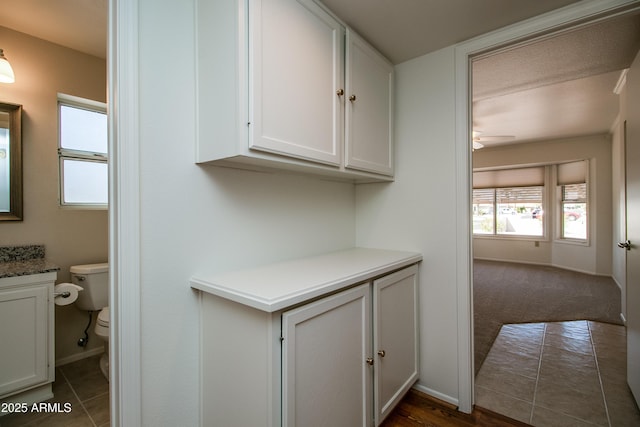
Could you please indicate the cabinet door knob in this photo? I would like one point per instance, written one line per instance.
(381, 353)
(340, 92)
(369, 361)
(352, 98)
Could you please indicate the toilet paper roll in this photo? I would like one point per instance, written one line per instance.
(66, 293)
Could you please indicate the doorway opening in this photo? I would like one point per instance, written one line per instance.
(530, 283)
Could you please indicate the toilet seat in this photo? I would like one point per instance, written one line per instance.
(102, 331)
(102, 324)
(103, 317)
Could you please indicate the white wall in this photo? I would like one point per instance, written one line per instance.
(70, 236)
(417, 211)
(196, 217)
(594, 258)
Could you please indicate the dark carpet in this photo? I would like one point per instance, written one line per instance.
(506, 292)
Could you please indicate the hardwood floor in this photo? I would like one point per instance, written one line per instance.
(418, 409)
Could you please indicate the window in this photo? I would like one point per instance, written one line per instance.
(508, 202)
(82, 151)
(483, 209)
(574, 211)
(508, 211)
(573, 200)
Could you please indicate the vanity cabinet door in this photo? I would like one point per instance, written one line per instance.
(297, 68)
(326, 377)
(369, 108)
(395, 342)
(24, 337)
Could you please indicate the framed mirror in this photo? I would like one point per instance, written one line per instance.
(10, 162)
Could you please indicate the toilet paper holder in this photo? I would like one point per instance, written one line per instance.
(65, 294)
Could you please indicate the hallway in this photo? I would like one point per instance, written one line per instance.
(559, 374)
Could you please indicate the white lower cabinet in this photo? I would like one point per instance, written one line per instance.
(348, 360)
(26, 337)
(395, 338)
(326, 380)
(345, 359)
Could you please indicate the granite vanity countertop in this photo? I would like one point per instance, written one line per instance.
(24, 260)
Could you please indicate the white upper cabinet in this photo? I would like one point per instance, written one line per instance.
(297, 51)
(369, 118)
(271, 91)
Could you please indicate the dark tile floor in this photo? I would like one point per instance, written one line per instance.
(80, 383)
(559, 374)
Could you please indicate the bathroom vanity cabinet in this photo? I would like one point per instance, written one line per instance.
(331, 338)
(303, 92)
(27, 337)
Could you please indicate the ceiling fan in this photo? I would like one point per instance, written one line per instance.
(477, 140)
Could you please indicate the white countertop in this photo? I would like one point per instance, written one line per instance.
(280, 285)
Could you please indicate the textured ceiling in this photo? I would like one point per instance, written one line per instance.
(584, 52)
(558, 87)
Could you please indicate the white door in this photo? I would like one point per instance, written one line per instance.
(326, 377)
(395, 338)
(633, 227)
(369, 108)
(297, 52)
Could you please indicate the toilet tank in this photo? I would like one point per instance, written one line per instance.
(94, 280)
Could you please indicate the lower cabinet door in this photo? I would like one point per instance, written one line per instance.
(327, 371)
(395, 339)
(24, 336)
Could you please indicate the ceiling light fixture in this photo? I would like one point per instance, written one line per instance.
(6, 72)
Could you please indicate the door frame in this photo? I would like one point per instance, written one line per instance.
(572, 16)
(125, 358)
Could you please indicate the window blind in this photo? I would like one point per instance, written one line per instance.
(483, 196)
(573, 173)
(522, 177)
(519, 195)
(574, 193)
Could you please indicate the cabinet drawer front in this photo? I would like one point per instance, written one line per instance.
(297, 50)
(326, 379)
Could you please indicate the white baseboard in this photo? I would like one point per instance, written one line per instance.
(617, 283)
(436, 394)
(79, 356)
(543, 264)
(514, 261)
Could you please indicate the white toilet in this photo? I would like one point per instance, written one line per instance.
(94, 279)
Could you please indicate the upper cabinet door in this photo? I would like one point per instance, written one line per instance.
(369, 108)
(297, 53)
